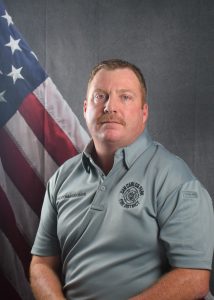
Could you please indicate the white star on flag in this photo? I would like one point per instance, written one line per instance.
(16, 74)
(13, 44)
(8, 18)
(1, 72)
(2, 99)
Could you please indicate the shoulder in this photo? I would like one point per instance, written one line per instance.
(70, 163)
(169, 171)
(169, 163)
(65, 170)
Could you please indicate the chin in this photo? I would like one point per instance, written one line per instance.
(111, 138)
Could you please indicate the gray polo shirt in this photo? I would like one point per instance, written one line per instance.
(117, 234)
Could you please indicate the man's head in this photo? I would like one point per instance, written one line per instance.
(115, 108)
(113, 64)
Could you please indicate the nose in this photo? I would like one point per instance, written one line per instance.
(111, 104)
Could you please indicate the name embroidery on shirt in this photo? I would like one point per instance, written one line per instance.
(71, 195)
(130, 194)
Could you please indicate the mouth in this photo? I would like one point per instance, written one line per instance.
(109, 122)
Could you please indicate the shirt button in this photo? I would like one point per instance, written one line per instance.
(102, 188)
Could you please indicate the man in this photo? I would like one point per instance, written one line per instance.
(126, 219)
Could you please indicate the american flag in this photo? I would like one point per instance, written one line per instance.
(38, 132)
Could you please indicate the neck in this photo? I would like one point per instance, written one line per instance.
(104, 158)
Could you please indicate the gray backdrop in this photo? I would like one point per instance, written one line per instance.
(172, 41)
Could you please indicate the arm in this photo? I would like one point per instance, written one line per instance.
(44, 279)
(178, 284)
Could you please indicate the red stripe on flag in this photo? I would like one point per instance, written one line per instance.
(6, 290)
(8, 225)
(21, 173)
(55, 141)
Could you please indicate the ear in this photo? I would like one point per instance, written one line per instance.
(84, 107)
(145, 112)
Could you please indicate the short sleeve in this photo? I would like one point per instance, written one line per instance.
(46, 242)
(186, 226)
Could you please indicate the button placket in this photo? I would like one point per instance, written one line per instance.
(102, 188)
(98, 202)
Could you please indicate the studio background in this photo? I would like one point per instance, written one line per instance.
(171, 41)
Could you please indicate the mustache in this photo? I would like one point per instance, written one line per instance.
(105, 118)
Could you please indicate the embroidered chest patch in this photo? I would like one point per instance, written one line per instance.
(130, 194)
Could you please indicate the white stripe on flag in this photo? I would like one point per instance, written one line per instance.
(57, 107)
(12, 269)
(38, 158)
(23, 213)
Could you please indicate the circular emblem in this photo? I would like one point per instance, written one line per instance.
(130, 194)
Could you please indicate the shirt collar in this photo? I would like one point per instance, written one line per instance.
(86, 155)
(130, 153)
(134, 150)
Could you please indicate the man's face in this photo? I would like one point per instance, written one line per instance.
(114, 109)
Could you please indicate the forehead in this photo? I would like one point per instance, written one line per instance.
(120, 78)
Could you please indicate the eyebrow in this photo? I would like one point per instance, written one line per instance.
(99, 90)
(118, 91)
(125, 91)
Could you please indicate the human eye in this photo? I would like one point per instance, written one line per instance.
(99, 97)
(126, 97)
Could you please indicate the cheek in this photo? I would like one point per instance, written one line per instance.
(135, 119)
(90, 115)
